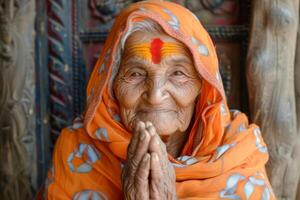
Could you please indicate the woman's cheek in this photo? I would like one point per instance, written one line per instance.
(185, 94)
(129, 95)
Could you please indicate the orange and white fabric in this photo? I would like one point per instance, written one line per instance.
(227, 162)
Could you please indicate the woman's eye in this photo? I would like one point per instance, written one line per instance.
(178, 73)
(135, 74)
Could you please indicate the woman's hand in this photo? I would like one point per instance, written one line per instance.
(163, 179)
(135, 175)
(148, 173)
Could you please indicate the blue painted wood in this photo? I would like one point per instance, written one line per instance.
(42, 92)
(60, 64)
(78, 67)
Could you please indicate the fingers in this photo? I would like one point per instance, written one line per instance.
(149, 126)
(135, 175)
(141, 147)
(142, 174)
(156, 145)
(142, 178)
(137, 186)
(156, 172)
(134, 140)
(162, 186)
(156, 176)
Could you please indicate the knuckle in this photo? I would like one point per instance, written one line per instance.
(157, 176)
(147, 136)
(133, 163)
(129, 154)
(139, 181)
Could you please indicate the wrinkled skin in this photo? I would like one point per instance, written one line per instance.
(156, 103)
(147, 157)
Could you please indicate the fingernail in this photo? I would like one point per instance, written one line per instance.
(157, 140)
(139, 124)
(155, 156)
(142, 135)
(151, 131)
(148, 124)
(146, 157)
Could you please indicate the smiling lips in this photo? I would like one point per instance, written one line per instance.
(147, 110)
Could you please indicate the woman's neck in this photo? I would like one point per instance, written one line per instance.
(174, 143)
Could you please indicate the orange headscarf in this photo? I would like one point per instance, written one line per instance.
(226, 162)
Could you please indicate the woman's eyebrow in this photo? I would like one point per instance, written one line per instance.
(136, 61)
(179, 59)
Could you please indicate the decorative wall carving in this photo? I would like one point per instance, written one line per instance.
(103, 10)
(106, 10)
(216, 12)
(17, 95)
(60, 65)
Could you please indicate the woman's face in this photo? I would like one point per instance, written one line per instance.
(156, 82)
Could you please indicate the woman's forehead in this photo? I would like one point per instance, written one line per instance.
(154, 47)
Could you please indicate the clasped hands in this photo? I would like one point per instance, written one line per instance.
(148, 174)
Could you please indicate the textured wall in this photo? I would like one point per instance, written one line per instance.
(17, 95)
(297, 89)
(270, 72)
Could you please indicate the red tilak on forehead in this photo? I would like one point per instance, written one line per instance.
(155, 50)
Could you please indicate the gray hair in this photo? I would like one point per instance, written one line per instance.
(145, 26)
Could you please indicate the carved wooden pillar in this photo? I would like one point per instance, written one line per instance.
(17, 95)
(270, 76)
(297, 89)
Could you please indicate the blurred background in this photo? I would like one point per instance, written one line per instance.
(48, 49)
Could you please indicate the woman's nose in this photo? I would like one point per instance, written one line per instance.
(156, 92)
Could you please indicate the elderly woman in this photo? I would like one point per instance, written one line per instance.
(157, 125)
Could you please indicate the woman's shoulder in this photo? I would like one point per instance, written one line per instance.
(73, 133)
